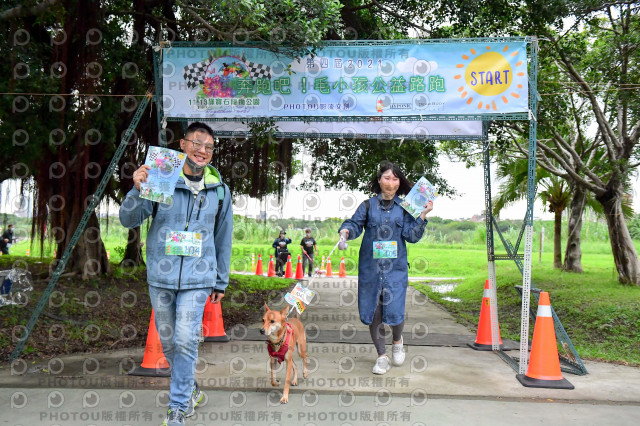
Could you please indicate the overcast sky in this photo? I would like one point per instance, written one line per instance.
(321, 205)
(468, 182)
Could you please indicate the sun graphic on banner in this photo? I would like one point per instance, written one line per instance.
(491, 77)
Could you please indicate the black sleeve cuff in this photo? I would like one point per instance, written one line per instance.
(217, 290)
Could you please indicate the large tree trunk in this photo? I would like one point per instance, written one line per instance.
(89, 257)
(573, 253)
(557, 239)
(624, 252)
(133, 252)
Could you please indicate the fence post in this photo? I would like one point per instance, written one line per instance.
(541, 244)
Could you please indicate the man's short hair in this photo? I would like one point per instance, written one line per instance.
(11, 224)
(198, 126)
(307, 230)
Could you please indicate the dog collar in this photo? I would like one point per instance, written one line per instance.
(283, 344)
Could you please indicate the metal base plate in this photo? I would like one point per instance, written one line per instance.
(479, 347)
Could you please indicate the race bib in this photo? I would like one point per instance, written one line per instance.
(385, 249)
(181, 243)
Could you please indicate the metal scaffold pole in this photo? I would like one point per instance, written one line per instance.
(93, 203)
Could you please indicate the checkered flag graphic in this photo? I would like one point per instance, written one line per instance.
(194, 73)
(256, 70)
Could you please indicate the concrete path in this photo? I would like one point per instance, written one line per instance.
(441, 382)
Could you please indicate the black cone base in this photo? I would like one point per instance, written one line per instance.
(223, 338)
(548, 384)
(151, 372)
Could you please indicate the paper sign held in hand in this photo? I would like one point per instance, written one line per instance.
(166, 165)
(421, 193)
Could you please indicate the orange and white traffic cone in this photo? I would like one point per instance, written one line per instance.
(154, 364)
(108, 254)
(212, 324)
(28, 252)
(483, 338)
(342, 272)
(259, 267)
(329, 271)
(544, 363)
(299, 271)
(322, 264)
(253, 261)
(271, 271)
(288, 273)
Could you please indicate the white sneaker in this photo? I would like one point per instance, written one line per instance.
(382, 365)
(398, 354)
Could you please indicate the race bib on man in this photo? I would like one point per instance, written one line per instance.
(385, 249)
(181, 243)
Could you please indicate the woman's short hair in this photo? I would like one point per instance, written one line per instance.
(405, 184)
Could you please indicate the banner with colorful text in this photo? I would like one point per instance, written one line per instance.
(349, 130)
(408, 79)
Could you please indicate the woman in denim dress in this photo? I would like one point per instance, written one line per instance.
(382, 265)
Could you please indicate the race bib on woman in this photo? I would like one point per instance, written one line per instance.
(385, 249)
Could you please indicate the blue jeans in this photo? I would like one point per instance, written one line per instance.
(178, 316)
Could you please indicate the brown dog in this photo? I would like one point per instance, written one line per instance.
(283, 336)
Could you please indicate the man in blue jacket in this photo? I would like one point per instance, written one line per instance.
(179, 285)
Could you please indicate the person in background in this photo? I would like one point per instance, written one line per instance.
(308, 246)
(7, 239)
(281, 250)
(383, 272)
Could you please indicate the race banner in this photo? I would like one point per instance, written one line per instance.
(370, 129)
(408, 79)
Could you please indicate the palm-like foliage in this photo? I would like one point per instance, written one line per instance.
(556, 195)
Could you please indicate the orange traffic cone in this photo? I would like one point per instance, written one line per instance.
(154, 364)
(329, 271)
(544, 364)
(342, 272)
(212, 324)
(259, 267)
(322, 264)
(271, 272)
(288, 273)
(299, 271)
(483, 338)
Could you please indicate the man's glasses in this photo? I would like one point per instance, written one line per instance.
(198, 145)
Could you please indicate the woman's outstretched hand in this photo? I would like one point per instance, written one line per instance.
(428, 206)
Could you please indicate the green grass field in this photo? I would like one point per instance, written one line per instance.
(601, 316)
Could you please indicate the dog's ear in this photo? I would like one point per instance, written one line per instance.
(266, 308)
(285, 311)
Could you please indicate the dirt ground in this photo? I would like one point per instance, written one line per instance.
(111, 312)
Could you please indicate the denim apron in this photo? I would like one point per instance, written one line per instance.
(384, 278)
